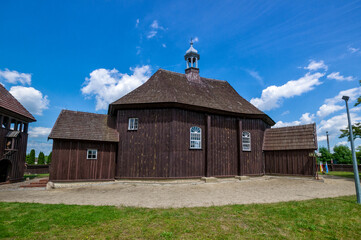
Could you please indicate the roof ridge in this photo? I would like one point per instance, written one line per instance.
(184, 75)
(75, 111)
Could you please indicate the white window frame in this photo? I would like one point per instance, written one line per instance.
(195, 138)
(91, 152)
(246, 141)
(133, 124)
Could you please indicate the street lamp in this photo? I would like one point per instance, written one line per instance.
(355, 167)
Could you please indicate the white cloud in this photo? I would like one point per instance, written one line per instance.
(152, 34)
(272, 96)
(39, 146)
(109, 85)
(336, 103)
(342, 143)
(14, 77)
(314, 65)
(196, 39)
(306, 118)
(353, 50)
(334, 124)
(285, 113)
(154, 29)
(32, 99)
(255, 75)
(338, 77)
(36, 132)
(164, 45)
(137, 23)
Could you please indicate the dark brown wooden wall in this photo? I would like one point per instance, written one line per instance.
(70, 163)
(297, 162)
(160, 147)
(17, 159)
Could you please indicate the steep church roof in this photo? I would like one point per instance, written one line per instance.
(166, 88)
(9, 103)
(74, 125)
(290, 138)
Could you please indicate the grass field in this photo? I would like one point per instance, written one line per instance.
(342, 174)
(332, 218)
(31, 176)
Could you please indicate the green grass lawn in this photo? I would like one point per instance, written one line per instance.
(332, 218)
(31, 176)
(341, 174)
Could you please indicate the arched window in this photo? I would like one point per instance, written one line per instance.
(196, 138)
(246, 141)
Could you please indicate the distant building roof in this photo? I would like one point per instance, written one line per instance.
(9, 103)
(290, 138)
(166, 88)
(84, 126)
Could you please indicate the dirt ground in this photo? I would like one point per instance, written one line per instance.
(186, 193)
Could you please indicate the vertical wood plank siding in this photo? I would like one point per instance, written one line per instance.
(17, 159)
(297, 162)
(160, 148)
(70, 161)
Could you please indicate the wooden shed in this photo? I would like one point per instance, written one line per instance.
(14, 120)
(290, 150)
(76, 136)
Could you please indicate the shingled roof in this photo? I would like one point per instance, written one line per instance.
(9, 103)
(166, 88)
(84, 126)
(290, 138)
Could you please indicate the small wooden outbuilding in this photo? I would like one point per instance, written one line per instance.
(14, 120)
(290, 150)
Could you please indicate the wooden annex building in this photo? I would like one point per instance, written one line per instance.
(173, 126)
(14, 121)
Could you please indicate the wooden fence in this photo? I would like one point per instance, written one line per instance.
(37, 169)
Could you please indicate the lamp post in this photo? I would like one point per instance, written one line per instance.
(328, 142)
(355, 167)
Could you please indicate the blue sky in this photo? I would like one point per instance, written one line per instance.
(292, 59)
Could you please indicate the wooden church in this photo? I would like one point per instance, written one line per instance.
(14, 122)
(178, 126)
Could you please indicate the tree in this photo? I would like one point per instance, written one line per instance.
(41, 158)
(49, 158)
(342, 154)
(32, 157)
(326, 156)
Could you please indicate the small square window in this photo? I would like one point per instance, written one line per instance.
(133, 124)
(92, 154)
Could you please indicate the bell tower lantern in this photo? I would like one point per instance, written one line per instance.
(191, 57)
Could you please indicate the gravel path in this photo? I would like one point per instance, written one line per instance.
(186, 193)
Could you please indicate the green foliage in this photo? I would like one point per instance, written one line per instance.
(356, 131)
(312, 219)
(31, 157)
(342, 154)
(41, 158)
(27, 158)
(326, 156)
(49, 158)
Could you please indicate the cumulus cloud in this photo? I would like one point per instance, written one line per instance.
(36, 132)
(334, 124)
(39, 146)
(137, 23)
(338, 77)
(336, 103)
(32, 99)
(306, 118)
(109, 85)
(15, 77)
(314, 65)
(196, 39)
(273, 96)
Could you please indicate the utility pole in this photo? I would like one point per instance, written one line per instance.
(355, 167)
(328, 142)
